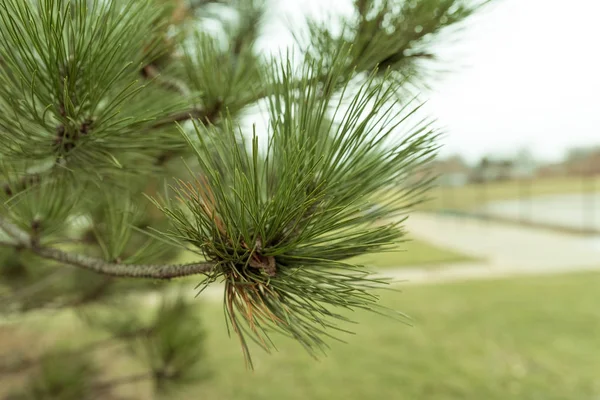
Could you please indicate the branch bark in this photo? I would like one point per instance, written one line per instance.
(156, 271)
(152, 271)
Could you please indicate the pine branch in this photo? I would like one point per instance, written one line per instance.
(24, 240)
(280, 225)
(123, 270)
(392, 35)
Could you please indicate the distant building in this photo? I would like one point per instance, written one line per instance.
(583, 162)
(492, 171)
(522, 166)
(550, 171)
(580, 153)
(451, 171)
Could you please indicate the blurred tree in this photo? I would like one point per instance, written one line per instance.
(121, 147)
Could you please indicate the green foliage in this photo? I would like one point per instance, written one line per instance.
(279, 225)
(237, 80)
(169, 342)
(113, 225)
(60, 378)
(174, 349)
(90, 94)
(399, 34)
(44, 209)
(13, 271)
(69, 83)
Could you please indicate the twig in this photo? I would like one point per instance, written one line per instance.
(24, 240)
(123, 270)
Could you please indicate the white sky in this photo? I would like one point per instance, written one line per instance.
(528, 75)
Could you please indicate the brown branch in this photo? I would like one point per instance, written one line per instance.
(123, 270)
(24, 240)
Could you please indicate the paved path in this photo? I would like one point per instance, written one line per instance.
(505, 248)
(503, 243)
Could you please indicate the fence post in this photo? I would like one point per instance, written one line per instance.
(589, 200)
(484, 202)
(525, 198)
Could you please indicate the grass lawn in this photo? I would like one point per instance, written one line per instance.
(473, 196)
(520, 338)
(413, 253)
(526, 338)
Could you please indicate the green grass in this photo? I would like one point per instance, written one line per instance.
(533, 338)
(521, 338)
(412, 253)
(472, 196)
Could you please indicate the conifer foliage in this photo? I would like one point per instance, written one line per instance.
(123, 145)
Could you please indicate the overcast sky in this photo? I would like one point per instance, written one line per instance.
(528, 75)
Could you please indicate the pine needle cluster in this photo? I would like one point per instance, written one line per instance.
(123, 143)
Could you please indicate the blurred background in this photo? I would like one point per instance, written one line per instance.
(500, 276)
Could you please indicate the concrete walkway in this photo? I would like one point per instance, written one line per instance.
(505, 248)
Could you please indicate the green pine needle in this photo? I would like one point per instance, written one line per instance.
(281, 222)
(70, 82)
